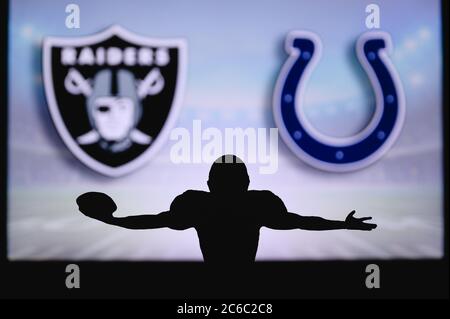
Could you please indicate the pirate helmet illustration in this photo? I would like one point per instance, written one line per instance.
(114, 110)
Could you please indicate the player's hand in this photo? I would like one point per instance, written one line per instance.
(96, 205)
(352, 222)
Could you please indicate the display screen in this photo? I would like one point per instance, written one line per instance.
(137, 99)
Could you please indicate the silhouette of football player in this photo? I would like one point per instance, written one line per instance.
(227, 219)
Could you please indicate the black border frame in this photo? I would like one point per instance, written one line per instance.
(287, 280)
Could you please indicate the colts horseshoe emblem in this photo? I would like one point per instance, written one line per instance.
(325, 152)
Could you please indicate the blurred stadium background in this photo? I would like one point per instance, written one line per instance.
(235, 54)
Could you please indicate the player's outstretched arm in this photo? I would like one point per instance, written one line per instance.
(101, 207)
(294, 221)
(141, 221)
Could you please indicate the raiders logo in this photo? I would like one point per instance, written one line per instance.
(114, 96)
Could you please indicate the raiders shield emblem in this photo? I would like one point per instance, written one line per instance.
(114, 96)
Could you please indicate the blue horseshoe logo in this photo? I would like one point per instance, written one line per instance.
(325, 152)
